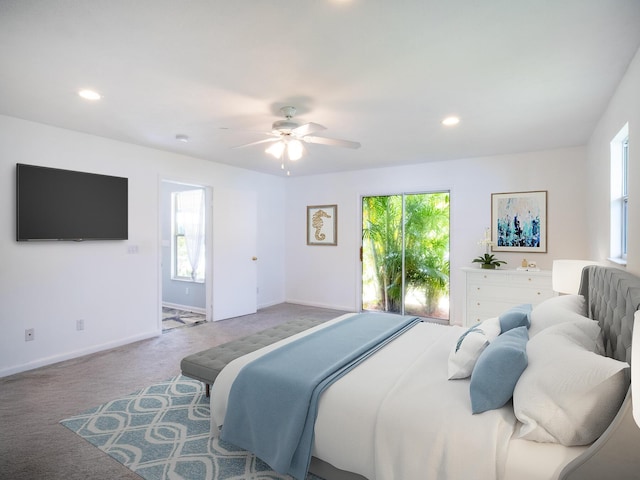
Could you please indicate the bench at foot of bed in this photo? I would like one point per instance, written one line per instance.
(207, 364)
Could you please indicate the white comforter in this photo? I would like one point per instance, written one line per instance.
(396, 416)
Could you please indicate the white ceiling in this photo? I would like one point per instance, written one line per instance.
(523, 75)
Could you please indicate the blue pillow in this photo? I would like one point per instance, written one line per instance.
(498, 369)
(515, 317)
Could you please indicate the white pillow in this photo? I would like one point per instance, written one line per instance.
(469, 346)
(568, 394)
(580, 330)
(562, 308)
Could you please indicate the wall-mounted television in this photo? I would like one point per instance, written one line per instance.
(55, 204)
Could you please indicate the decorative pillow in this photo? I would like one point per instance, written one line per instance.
(498, 369)
(554, 310)
(469, 346)
(569, 394)
(515, 317)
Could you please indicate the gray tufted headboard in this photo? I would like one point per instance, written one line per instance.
(612, 296)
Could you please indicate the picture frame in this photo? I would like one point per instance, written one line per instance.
(322, 225)
(519, 221)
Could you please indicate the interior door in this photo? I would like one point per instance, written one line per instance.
(235, 275)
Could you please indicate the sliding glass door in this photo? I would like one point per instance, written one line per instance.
(405, 254)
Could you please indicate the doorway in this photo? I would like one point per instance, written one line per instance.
(405, 254)
(185, 250)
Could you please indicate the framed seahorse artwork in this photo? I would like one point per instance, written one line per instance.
(322, 225)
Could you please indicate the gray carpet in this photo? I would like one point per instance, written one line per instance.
(33, 444)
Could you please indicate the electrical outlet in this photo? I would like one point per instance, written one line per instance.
(29, 334)
(79, 325)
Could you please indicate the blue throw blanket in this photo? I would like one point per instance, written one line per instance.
(273, 402)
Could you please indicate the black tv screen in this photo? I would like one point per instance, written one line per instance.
(55, 204)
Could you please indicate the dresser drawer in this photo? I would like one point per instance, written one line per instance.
(479, 310)
(529, 281)
(483, 277)
(513, 293)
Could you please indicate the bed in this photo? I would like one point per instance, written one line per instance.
(423, 406)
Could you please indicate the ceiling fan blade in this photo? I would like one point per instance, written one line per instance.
(333, 142)
(307, 129)
(258, 142)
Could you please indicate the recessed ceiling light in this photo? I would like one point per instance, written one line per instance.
(182, 138)
(450, 121)
(89, 94)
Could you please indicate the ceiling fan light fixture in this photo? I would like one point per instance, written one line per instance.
(294, 150)
(276, 149)
(287, 136)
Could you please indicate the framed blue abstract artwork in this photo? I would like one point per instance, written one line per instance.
(519, 222)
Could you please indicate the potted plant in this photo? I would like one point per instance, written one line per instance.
(488, 261)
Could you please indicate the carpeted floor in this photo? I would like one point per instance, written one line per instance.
(162, 432)
(33, 443)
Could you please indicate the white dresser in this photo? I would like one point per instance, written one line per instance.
(491, 292)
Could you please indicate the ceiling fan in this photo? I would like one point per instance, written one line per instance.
(288, 137)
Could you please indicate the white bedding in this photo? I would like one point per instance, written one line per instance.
(397, 416)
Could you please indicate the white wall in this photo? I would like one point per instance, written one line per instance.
(624, 107)
(329, 276)
(49, 285)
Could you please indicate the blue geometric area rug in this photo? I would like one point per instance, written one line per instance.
(162, 433)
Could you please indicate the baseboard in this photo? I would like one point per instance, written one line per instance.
(188, 308)
(43, 362)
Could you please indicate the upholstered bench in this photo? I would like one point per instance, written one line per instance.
(207, 364)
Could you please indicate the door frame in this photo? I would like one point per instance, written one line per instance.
(208, 242)
(359, 259)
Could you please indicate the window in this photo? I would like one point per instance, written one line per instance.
(187, 231)
(619, 195)
(405, 254)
